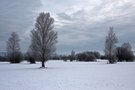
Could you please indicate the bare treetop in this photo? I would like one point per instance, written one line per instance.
(13, 43)
(13, 48)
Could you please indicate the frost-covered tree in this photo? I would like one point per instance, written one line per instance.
(13, 48)
(44, 37)
(110, 46)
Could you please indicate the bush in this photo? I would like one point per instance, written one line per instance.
(86, 56)
(30, 58)
(63, 57)
(3, 59)
(125, 53)
(15, 57)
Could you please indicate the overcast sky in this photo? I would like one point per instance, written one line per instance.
(81, 24)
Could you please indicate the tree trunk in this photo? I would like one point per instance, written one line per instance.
(43, 64)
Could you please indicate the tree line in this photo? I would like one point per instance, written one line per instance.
(43, 46)
(112, 52)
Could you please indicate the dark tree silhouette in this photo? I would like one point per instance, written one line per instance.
(125, 53)
(72, 56)
(86, 56)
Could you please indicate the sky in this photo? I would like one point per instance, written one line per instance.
(81, 24)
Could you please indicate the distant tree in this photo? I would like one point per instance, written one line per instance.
(103, 57)
(13, 48)
(86, 56)
(72, 56)
(44, 37)
(96, 54)
(125, 53)
(55, 57)
(119, 53)
(127, 46)
(110, 47)
(3, 59)
(64, 57)
(31, 56)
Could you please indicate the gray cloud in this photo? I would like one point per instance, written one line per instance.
(17, 16)
(87, 28)
(81, 24)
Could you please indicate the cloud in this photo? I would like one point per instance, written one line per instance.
(81, 24)
(88, 26)
(17, 16)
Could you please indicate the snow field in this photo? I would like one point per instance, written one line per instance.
(61, 75)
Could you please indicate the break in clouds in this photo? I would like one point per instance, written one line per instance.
(81, 24)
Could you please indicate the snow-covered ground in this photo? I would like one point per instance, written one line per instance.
(68, 76)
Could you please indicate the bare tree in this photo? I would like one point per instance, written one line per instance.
(110, 46)
(13, 48)
(44, 37)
